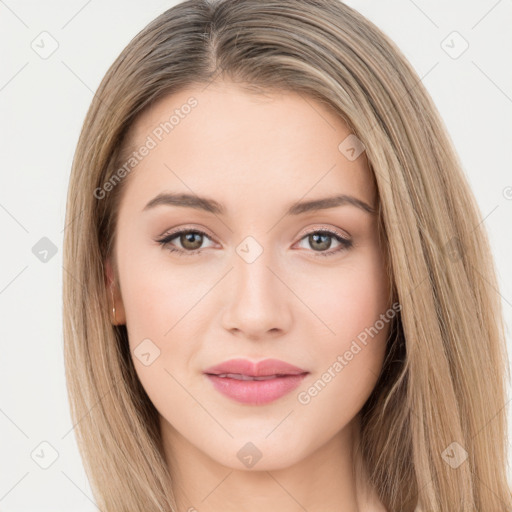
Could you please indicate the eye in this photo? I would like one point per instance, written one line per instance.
(190, 240)
(321, 240)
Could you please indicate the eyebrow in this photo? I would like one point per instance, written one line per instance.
(212, 206)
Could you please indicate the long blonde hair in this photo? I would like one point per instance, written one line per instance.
(434, 429)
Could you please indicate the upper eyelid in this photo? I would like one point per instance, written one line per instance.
(205, 232)
(180, 230)
(329, 230)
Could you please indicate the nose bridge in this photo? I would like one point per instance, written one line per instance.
(253, 277)
(258, 301)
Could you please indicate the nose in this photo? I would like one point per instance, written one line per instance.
(259, 302)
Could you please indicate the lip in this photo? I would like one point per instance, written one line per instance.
(234, 379)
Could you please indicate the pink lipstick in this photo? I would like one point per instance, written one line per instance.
(255, 383)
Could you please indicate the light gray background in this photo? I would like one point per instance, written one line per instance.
(43, 103)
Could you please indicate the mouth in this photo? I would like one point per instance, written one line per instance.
(255, 383)
(239, 376)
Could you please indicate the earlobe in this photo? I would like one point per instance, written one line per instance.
(116, 307)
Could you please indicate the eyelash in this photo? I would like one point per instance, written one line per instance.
(345, 243)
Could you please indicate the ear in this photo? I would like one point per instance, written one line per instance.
(113, 288)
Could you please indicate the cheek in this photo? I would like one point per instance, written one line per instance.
(146, 305)
(164, 313)
(159, 318)
(350, 298)
(354, 305)
(156, 294)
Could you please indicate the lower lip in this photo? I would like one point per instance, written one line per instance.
(256, 392)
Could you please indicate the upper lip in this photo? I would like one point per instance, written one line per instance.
(255, 369)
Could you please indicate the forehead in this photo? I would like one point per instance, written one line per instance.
(220, 139)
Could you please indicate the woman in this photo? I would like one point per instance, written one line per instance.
(279, 292)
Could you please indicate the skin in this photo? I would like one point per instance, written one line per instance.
(256, 155)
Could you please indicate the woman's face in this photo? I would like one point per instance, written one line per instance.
(272, 277)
